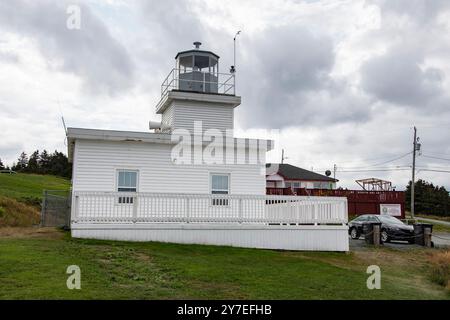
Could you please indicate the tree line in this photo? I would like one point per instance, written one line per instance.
(428, 199)
(55, 163)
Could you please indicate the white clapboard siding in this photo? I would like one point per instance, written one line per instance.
(303, 237)
(213, 116)
(96, 164)
(167, 118)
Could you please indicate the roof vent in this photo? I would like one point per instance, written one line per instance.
(197, 44)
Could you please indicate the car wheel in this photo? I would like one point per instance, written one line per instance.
(384, 236)
(354, 234)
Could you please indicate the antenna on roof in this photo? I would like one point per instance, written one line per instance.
(62, 117)
(233, 67)
(64, 124)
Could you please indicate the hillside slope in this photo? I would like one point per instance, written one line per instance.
(17, 214)
(24, 187)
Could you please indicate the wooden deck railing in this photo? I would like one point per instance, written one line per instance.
(121, 207)
(359, 201)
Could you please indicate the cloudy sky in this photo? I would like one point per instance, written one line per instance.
(343, 81)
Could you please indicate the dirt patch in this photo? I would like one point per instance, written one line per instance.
(143, 257)
(393, 257)
(31, 232)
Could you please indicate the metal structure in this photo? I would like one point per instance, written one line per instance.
(56, 207)
(374, 184)
(198, 71)
(200, 81)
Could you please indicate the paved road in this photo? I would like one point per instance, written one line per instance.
(445, 223)
(440, 240)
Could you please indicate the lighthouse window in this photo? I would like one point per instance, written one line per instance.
(201, 62)
(126, 182)
(220, 185)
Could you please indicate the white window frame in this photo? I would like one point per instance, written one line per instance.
(124, 200)
(219, 174)
(219, 201)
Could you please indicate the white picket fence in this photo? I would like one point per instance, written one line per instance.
(121, 207)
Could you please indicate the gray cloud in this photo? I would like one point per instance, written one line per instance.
(293, 59)
(290, 67)
(91, 52)
(420, 11)
(169, 19)
(9, 57)
(397, 77)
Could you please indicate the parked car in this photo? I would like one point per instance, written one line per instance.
(391, 227)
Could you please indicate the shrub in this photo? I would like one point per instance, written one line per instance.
(440, 268)
(17, 214)
(32, 201)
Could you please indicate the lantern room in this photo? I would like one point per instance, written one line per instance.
(198, 70)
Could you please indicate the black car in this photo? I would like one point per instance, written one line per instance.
(391, 228)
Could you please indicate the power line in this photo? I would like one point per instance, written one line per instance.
(444, 171)
(432, 157)
(439, 154)
(376, 164)
(398, 158)
(375, 170)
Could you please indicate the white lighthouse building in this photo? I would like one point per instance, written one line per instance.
(197, 103)
(188, 179)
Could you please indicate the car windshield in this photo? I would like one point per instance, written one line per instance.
(389, 219)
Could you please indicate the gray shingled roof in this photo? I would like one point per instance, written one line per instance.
(295, 173)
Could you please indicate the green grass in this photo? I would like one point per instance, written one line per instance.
(437, 227)
(22, 186)
(33, 267)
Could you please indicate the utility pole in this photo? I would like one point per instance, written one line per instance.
(334, 171)
(413, 171)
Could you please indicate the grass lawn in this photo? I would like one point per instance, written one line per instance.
(33, 263)
(436, 226)
(21, 186)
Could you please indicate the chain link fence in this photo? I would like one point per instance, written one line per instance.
(56, 205)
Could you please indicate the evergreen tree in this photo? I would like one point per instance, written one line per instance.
(428, 199)
(34, 163)
(2, 166)
(56, 163)
(22, 162)
(44, 162)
